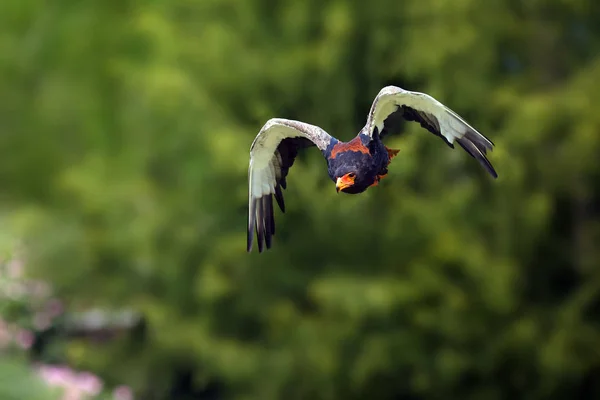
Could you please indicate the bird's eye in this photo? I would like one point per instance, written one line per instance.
(351, 175)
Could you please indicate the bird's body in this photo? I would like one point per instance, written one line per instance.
(365, 158)
(355, 165)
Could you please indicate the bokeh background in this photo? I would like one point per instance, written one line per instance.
(125, 128)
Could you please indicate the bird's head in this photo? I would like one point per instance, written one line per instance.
(345, 182)
(352, 181)
(352, 167)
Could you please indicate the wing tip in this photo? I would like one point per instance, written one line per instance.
(249, 240)
(262, 221)
(475, 145)
(279, 198)
(251, 224)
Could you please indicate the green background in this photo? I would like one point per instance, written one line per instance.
(125, 129)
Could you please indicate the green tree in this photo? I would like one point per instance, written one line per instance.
(127, 127)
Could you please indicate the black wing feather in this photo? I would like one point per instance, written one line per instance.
(279, 198)
(287, 151)
(477, 148)
(260, 224)
(251, 223)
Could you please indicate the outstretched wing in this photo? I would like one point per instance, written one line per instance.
(271, 155)
(393, 105)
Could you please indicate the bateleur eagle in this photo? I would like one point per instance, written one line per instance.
(354, 166)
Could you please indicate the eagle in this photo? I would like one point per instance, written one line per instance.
(354, 166)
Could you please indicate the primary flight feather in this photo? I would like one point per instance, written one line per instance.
(354, 166)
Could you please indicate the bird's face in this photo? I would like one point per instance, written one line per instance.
(353, 181)
(345, 182)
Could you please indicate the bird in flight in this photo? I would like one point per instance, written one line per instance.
(354, 166)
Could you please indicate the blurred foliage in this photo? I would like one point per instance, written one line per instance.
(124, 132)
(17, 382)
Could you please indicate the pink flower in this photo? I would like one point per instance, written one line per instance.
(122, 393)
(24, 339)
(89, 383)
(77, 386)
(55, 375)
(72, 393)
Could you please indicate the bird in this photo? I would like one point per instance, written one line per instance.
(354, 166)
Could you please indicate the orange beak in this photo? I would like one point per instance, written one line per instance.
(343, 182)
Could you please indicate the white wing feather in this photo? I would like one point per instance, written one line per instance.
(447, 123)
(264, 171)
